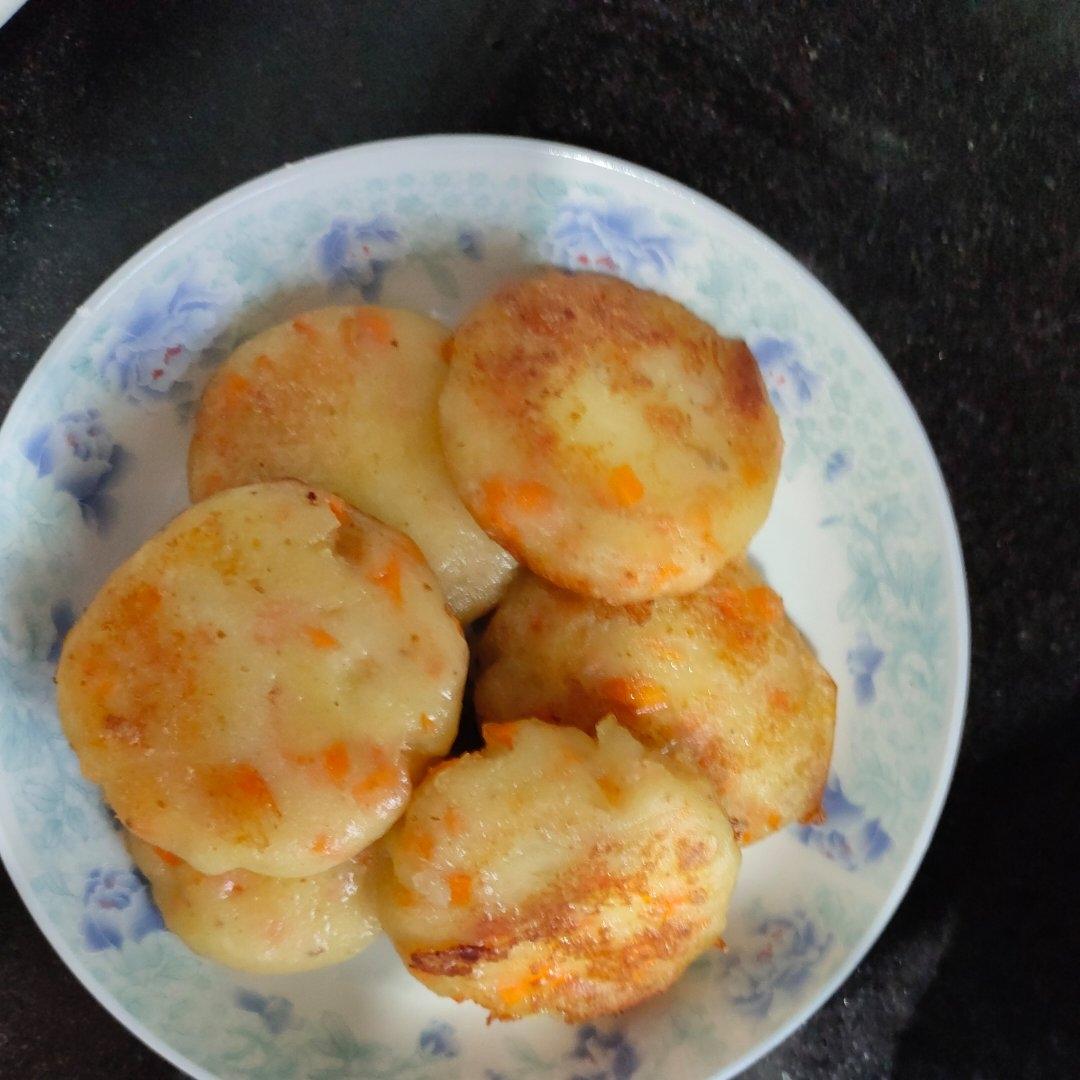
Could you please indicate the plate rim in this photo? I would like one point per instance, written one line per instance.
(548, 149)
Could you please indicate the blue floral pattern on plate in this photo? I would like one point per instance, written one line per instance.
(81, 457)
(274, 1010)
(603, 1055)
(438, 1040)
(383, 223)
(117, 908)
(846, 836)
(863, 661)
(614, 238)
(146, 355)
(780, 957)
(359, 253)
(791, 384)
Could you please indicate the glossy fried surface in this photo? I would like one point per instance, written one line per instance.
(345, 398)
(556, 873)
(256, 686)
(263, 924)
(610, 439)
(721, 680)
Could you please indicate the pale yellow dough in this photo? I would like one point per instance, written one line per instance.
(256, 686)
(557, 873)
(345, 398)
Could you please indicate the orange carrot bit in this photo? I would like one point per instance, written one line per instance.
(404, 896)
(452, 821)
(235, 388)
(241, 786)
(780, 701)
(773, 821)
(610, 788)
(500, 735)
(517, 992)
(528, 495)
(340, 509)
(764, 605)
(322, 844)
(625, 486)
(641, 695)
(366, 325)
(460, 888)
(420, 842)
(389, 578)
(446, 350)
(752, 474)
(336, 762)
(142, 602)
(320, 638)
(167, 857)
(305, 329)
(666, 571)
(382, 776)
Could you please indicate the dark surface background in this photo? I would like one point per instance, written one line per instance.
(921, 158)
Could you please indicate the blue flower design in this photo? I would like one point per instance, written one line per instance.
(438, 1040)
(80, 455)
(836, 464)
(117, 907)
(863, 662)
(468, 243)
(274, 1011)
(846, 837)
(600, 1055)
(63, 619)
(359, 253)
(149, 353)
(790, 382)
(606, 237)
(781, 956)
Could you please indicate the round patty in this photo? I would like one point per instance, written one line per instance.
(556, 873)
(263, 924)
(256, 685)
(345, 398)
(720, 680)
(607, 437)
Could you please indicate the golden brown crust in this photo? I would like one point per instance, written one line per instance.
(346, 398)
(607, 437)
(719, 679)
(255, 686)
(553, 873)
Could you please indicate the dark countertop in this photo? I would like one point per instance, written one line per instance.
(922, 158)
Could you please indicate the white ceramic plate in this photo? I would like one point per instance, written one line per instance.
(861, 542)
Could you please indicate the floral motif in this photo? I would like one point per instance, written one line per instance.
(846, 837)
(438, 1040)
(606, 236)
(469, 243)
(274, 1011)
(148, 353)
(837, 464)
(82, 458)
(359, 253)
(600, 1055)
(117, 907)
(790, 382)
(863, 662)
(780, 957)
